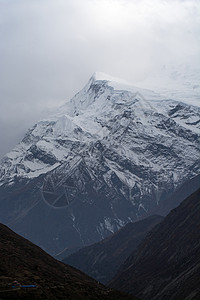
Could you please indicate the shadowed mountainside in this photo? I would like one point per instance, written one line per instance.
(102, 260)
(28, 264)
(166, 265)
(184, 191)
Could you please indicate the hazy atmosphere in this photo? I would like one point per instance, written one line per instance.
(49, 49)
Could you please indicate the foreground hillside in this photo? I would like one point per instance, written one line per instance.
(166, 265)
(28, 264)
(102, 260)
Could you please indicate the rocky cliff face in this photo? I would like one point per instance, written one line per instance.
(111, 155)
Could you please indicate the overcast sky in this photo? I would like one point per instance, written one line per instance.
(50, 48)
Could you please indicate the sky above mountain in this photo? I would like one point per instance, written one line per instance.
(49, 49)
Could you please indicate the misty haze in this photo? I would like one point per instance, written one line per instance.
(100, 148)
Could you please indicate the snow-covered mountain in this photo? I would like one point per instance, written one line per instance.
(110, 155)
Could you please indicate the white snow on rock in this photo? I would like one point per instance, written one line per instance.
(105, 110)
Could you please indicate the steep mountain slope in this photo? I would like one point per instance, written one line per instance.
(102, 260)
(184, 191)
(166, 265)
(28, 264)
(111, 155)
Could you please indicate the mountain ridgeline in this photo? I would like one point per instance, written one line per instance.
(111, 155)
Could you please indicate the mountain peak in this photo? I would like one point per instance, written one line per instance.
(100, 76)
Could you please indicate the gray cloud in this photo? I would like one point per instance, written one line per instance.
(50, 48)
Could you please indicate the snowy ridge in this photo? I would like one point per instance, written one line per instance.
(89, 117)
